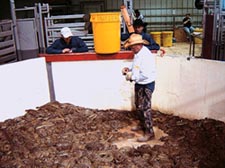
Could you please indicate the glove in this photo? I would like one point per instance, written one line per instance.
(128, 76)
(125, 70)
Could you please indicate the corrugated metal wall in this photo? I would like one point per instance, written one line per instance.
(162, 14)
(159, 14)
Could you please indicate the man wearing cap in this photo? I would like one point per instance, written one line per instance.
(139, 26)
(67, 43)
(143, 73)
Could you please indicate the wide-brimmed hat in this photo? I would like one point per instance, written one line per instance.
(134, 39)
(66, 32)
(139, 22)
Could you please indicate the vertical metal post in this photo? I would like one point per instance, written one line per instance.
(129, 5)
(222, 29)
(174, 23)
(41, 28)
(15, 30)
(50, 82)
(46, 31)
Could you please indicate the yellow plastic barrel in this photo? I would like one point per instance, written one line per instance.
(106, 31)
(198, 40)
(167, 38)
(157, 37)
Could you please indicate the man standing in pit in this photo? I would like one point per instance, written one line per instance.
(143, 73)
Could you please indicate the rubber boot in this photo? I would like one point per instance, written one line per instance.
(146, 137)
(137, 128)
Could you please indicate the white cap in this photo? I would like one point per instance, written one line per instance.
(66, 32)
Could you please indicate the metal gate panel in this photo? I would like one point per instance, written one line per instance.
(54, 24)
(27, 34)
(7, 43)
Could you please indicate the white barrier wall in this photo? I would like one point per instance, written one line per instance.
(93, 84)
(192, 89)
(24, 85)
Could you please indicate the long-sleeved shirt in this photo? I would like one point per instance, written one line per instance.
(152, 44)
(143, 67)
(76, 45)
(187, 22)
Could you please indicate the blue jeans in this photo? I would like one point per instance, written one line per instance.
(189, 30)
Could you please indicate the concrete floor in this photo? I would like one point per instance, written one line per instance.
(182, 49)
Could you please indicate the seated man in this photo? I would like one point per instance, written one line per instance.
(188, 28)
(67, 43)
(138, 28)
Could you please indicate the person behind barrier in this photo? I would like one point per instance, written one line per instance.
(187, 24)
(67, 43)
(138, 28)
(138, 15)
(143, 73)
(88, 24)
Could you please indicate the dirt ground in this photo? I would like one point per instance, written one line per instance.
(58, 135)
(182, 49)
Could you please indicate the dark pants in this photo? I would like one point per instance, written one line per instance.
(143, 96)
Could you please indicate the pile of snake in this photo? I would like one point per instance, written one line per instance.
(62, 135)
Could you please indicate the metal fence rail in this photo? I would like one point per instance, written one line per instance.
(7, 42)
(54, 24)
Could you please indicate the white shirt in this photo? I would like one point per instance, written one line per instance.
(143, 67)
(141, 17)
